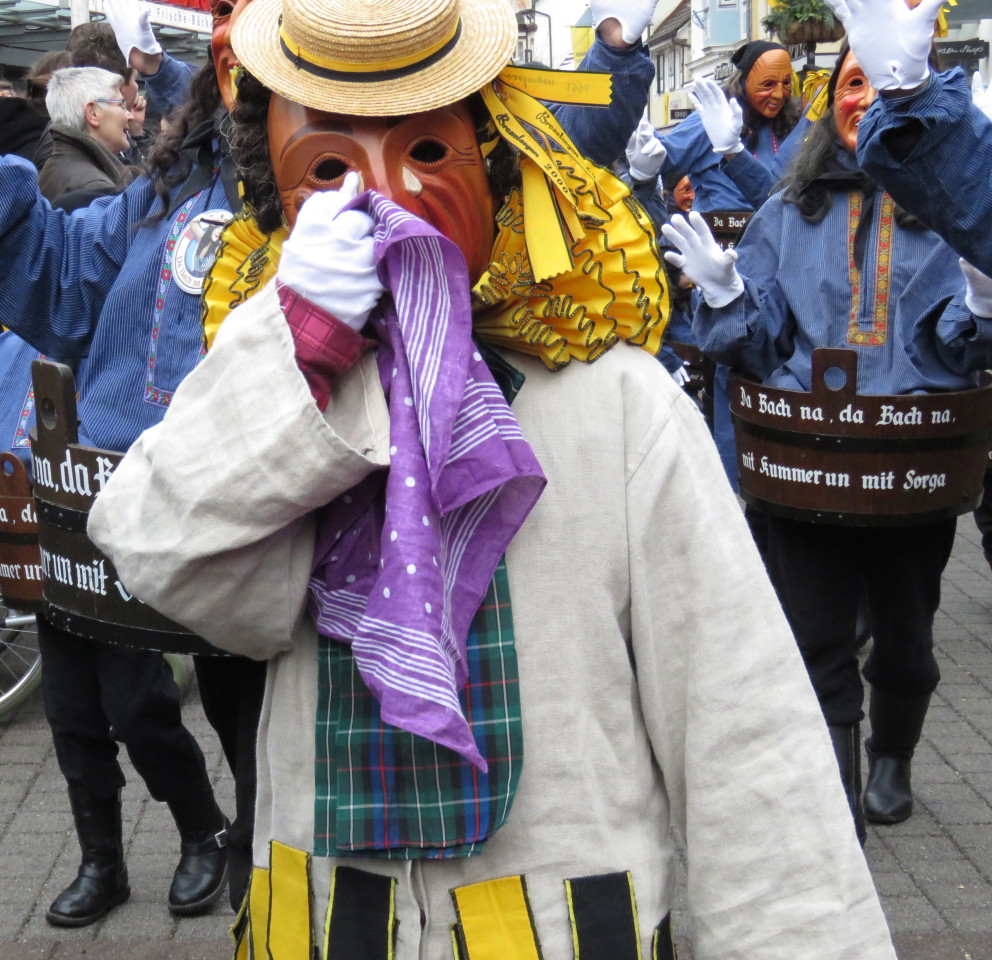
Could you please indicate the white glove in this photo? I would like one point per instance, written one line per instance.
(329, 259)
(980, 96)
(891, 41)
(645, 152)
(132, 26)
(978, 287)
(722, 119)
(634, 15)
(682, 376)
(702, 261)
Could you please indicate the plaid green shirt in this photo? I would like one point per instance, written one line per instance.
(383, 792)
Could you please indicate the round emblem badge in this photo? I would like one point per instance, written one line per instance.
(196, 249)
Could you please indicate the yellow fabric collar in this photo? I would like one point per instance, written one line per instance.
(575, 267)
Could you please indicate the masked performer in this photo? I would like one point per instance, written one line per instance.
(831, 261)
(459, 753)
(924, 139)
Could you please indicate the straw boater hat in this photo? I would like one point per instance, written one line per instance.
(375, 57)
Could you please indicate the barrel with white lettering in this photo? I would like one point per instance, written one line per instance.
(727, 226)
(835, 456)
(20, 561)
(82, 591)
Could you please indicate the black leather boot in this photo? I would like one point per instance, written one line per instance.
(101, 883)
(896, 725)
(201, 875)
(846, 739)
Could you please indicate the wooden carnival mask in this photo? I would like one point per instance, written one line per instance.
(428, 163)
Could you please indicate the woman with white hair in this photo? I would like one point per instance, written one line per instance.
(89, 129)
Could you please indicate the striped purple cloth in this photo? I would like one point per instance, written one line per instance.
(403, 560)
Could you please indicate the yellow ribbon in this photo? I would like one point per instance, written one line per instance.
(815, 93)
(561, 86)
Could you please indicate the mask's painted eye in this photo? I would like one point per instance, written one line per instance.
(428, 151)
(221, 9)
(327, 169)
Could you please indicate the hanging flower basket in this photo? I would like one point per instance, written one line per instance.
(812, 31)
(802, 21)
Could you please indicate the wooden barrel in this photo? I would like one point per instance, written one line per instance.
(835, 456)
(20, 560)
(727, 225)
(82, 592)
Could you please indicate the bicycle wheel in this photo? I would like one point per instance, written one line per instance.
(20, 661)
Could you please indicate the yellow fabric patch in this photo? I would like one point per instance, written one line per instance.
(290, 930)
(495, 921)
(258, 913)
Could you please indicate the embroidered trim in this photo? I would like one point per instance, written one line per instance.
(153, 394)
(878, 332)
(21, 438)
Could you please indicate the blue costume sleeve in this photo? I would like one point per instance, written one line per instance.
(964, 341)
(601, 133)
(756, 180)
(755, 332)
(689, 149)
(933, 153)
(750, 175)
(55, 268)
(168, 88)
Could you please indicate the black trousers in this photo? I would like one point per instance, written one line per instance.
(231, 691)
(97, 695)
(819, 571)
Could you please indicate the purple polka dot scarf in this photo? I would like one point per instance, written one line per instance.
(404, 559)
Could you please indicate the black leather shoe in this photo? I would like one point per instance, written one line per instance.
(101, 883)
(889, 791)
(90, 896)
(896, 725)
(201, 875)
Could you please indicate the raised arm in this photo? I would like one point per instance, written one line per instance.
(55, 269)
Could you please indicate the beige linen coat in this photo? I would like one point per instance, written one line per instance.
(660, 684)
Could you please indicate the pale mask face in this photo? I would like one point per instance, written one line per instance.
(768, 85)
(428, 163)
(225, 13)
(853, 96)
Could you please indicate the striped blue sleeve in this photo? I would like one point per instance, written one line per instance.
(55, 268)
(169, 88)
(933, 154)
(601, 133)
(753, 334)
